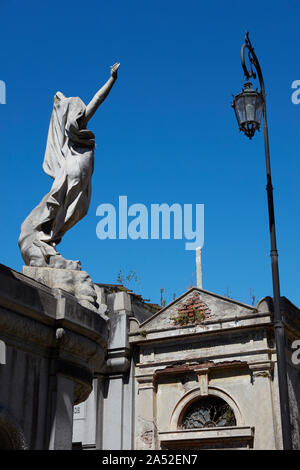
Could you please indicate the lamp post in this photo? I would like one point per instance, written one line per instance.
(249, 106)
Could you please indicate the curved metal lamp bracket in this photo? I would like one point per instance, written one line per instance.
(253, 63)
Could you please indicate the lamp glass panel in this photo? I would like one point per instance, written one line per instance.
(259, 108)
(239, 107)
(250, 106)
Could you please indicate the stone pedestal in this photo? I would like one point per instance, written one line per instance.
(77, 283)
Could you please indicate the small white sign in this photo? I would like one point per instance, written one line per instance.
(2, 352)
(79, 411)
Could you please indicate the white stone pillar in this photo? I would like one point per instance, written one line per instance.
(262, 414)
(128, 404)
(199, 267)
(113, 415)
(62, 414)
(145, 432)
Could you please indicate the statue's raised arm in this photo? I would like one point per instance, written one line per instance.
(102, 93)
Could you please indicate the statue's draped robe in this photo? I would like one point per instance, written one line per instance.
(69, 160)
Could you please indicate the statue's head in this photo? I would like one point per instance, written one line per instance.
(58, 96)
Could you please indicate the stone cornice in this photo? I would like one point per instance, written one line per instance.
(49, 307)
(198, 368)
(142, 336)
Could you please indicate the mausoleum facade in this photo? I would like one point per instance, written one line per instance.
(200, 373)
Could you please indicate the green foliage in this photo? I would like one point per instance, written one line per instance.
(126, 279)
(199, 315)
(183, 318)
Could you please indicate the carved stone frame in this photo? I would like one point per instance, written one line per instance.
(195, 394)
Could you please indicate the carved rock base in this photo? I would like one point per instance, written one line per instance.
(77, 283)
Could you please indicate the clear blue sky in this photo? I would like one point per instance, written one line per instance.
(167, 133)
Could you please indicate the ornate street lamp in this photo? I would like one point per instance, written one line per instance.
(249, 106)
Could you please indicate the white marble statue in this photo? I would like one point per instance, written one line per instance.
(69, 160)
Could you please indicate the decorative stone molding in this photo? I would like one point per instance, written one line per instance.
(198, 368)
(202, 374)
(26, 329)
(195, 394)
(83, 349)
(145, 382)
(118, 351)
(11, 434)
(262, 370)
(77, 283)
(81, 392)
(234, 437)
(115, 365)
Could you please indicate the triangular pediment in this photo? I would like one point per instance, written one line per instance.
(197, 306)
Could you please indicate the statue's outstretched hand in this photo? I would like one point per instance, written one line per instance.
(114, 70)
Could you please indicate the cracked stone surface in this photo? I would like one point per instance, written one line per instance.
(77, 283)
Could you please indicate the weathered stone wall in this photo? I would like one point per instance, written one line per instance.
(294, 392)
(24, 396)
(51, 347)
